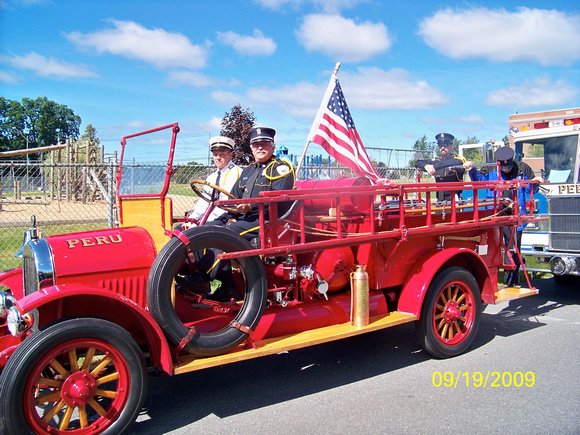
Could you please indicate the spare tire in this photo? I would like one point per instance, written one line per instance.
(167, 265)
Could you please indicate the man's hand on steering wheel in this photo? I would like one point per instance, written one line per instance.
(203, 195)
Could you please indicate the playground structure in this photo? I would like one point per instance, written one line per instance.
(69, 171)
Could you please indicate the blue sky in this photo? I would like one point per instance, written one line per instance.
(409, 68)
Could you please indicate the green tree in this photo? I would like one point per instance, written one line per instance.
(423, 150)
(536, 150)
(473, 154)
(90, 135)
(235, 125)
(38, 122)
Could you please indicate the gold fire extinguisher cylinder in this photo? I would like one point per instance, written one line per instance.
(359, 296)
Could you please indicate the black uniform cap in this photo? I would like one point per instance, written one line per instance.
(444, 139)
(505, 156)
(258, 134)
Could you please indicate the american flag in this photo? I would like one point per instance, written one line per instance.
(334, 130)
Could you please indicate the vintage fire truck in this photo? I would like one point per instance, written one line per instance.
(88, 316)
(550, 143)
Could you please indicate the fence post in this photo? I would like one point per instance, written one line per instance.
(67, 170)
(111, 202)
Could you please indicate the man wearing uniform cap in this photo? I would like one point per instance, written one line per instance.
(509, 170)
(225, 176)
(267, 173)
(447, 168)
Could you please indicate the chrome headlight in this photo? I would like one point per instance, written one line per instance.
(7, 301)
(16, 323)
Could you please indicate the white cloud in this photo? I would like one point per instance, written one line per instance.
(376, 89)
(328, 6)
(546, 37)
(366, 89)
(225, 97)
(49, 67)
(472, 119)
(8, 78)
(300, 99)
(343, 39)
(211, 126)
(156, 47)
(540, 92)
(197, 80)
(277, 4)
(256, 45)
(190, 78)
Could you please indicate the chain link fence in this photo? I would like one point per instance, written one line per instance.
(68, 198)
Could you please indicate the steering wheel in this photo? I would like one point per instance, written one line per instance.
(203, 195)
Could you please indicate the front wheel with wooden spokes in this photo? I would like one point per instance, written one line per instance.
(450, 313)
(84, 376)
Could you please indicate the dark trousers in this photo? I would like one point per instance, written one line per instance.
(208, 262)
(511, 277)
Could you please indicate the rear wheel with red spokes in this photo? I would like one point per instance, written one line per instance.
(450, 313)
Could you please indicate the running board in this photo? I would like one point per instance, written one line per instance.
(511, 293)
(271, 346)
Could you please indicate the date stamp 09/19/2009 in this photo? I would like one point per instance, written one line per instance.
(489, 379)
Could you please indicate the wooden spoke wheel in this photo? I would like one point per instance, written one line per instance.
(82, 376)
(450, 313)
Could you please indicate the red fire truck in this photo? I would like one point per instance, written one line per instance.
(89, 315)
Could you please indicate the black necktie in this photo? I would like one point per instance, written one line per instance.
(215, 194)
(251, 180)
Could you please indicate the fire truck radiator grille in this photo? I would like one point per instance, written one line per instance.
(134, 288)
(565, 224)
(30, 275)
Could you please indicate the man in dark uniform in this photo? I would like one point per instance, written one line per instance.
(440, 168)
(268, 173)
(509, 170)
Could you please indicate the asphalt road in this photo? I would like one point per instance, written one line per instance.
(383, 382)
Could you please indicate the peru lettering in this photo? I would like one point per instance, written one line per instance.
(569, 189)
(94, 241)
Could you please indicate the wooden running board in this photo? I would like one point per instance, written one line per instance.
(189, 363)
(511, 293)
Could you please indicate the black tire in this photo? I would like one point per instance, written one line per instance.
(450, 313)
(118, 388)
(167, 265)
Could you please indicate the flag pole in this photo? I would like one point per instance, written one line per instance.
(318, 116)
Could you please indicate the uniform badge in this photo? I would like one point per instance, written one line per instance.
(283, 169)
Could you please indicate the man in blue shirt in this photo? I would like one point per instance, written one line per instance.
(509, 170)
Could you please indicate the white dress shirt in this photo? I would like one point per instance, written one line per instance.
(228, 177)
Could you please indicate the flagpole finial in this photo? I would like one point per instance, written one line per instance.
(336, 68)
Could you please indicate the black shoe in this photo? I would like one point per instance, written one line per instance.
(194, 283)
(224, 294)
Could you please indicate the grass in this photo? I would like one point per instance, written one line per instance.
(181, 189)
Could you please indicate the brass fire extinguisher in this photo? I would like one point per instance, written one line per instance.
(359, 296)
